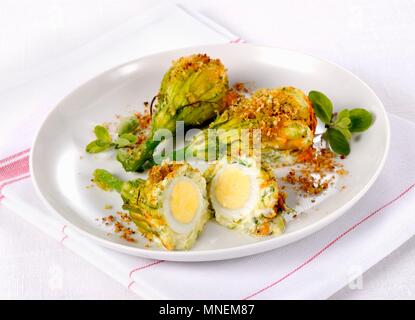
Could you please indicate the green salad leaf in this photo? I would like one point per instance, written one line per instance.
(322, 106)
(342, 123)
(337, 141)
(361, 120)
(102, 133)
(125, 140)
(340, 126)
(103, 140)
(97, 146)
(127, 125)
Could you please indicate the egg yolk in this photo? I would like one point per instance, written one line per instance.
(232, 188)
(184, 201)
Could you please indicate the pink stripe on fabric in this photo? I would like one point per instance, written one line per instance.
(11, 182)
(2, 161)
(331, 243)
(65, 236)
(15, 168)
(235, 40)
(146, 266)
(130, 284)
(63, 239)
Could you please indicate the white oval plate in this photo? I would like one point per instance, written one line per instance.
(62, 170)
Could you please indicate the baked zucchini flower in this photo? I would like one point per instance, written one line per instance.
(284, 117)
(193, 91)
(244, 195)
(170, 207)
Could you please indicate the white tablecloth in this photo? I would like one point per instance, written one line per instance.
(374, 39)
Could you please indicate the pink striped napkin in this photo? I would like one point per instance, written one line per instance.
(315, 267)
(14, 168)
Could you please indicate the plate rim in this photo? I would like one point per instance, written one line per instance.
(223, 253)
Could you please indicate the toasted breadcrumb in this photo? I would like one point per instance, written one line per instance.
(124, 231)
(270, 108)
(316, 172)
(108, 220)
(159, 173)
(240, 87)
(124, 217)
(144, 119)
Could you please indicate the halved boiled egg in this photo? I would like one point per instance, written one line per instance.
(183, 204)
(172, 206)
(244, 195)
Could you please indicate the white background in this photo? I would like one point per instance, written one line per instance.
(373, 39)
